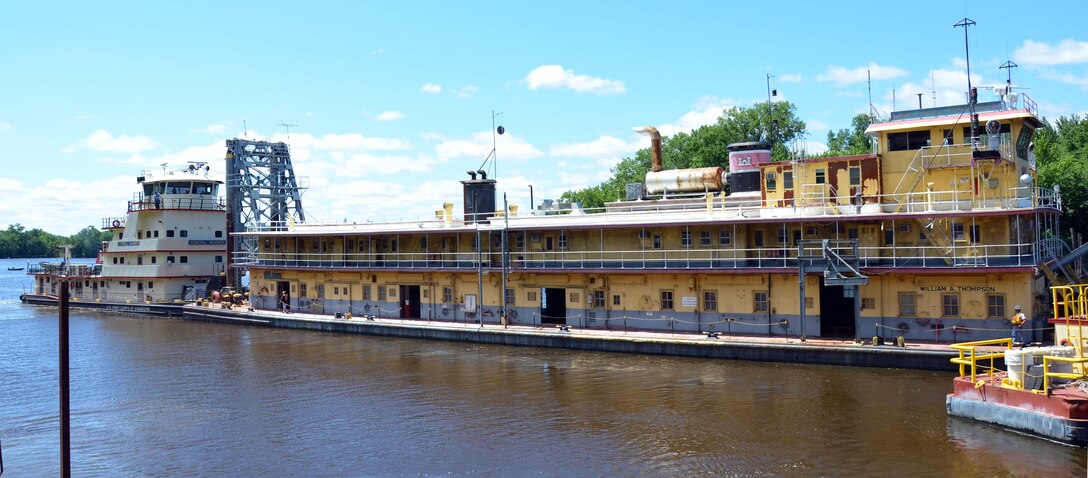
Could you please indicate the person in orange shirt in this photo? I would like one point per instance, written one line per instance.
(1017, 322)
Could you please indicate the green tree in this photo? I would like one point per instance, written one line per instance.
(702, 147)
(845, 142)
(1061, 156)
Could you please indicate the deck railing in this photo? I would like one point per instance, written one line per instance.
(781, 256)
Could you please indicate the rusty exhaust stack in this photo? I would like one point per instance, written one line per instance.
(655, 146)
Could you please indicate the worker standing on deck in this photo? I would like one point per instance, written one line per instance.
(285, 302)
(1017, 322)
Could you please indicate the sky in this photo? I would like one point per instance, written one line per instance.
(392, 102)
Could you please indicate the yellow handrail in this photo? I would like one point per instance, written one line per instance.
(1047, 374)
(971, 356)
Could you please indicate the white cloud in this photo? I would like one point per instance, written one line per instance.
(603, 147)
(102, 140)
(83, 202)
(432, 88)
(817, 125)
(432, 136)
(815, 148)
(376, 52)
(214, 129)
(10, 184)
(842, 76)
(1067, 78)
(390, 116)
(707, 111)
(466, 91)
(791, 78)
(83, 117)
(68, 149)
(478, 147)
(5, 127)
(555, 76)
(1067, 52)
(344, 142)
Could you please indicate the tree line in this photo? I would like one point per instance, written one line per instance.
(1061, 154)
(17, 241)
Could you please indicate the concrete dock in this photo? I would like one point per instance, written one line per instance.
(918, 356)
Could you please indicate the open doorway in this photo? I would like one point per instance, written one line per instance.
(409, 301)
(553, 306)
(836, 312)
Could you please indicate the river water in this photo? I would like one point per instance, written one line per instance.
(167, 397)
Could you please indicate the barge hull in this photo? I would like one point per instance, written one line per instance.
(166, 310)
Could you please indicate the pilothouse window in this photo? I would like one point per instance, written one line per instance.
(202, 188)
(175, 187)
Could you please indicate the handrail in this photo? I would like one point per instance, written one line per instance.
(971, 356)
(1047, 374)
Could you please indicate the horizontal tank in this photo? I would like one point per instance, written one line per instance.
(685, 180)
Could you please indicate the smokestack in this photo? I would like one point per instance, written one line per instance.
(655, 146)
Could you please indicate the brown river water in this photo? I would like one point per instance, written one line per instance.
(167, 397)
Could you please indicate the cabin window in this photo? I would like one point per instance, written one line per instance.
(473, 244)
(509, 296)
(169, 233)
(772, 182)
(598, 299)
(562, 240)
(685, 238)
(868, 303)
(796, 236)
(549, 243)
(114, 260)
(787, 180)
(821, 176)
(170, 259)
(150, 284)
(1023, 140)
(218, 259)
(958, 232)
(447, 294)
(202, 188)
(783, 235)
(575, 298)
(184, 259)
(178, 187)
(760, 302)
(366, 292)
(657, 241)
(946, 135)
(908, 141)
(855, 176)
(531, 296)
(889, 237)
(534, 237)
(724, 237)
(139, 234)
(976, 234)
(908, 304)
(184, 233)
(496, 241)
(220, 234)
(710, 300)
(381, 292)
(666, 300)
(122, 259)
(950, 305)
(995, 306)
(758, 238)
(154, 259)
(704, 238)
(852, 233)
(519, 241)
(139, 260)
(422, 243)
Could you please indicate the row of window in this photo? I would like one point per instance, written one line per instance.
(155, 259)
(152, 234)
(821, 177)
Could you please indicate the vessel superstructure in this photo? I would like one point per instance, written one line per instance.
(934, 235)
(170, 246)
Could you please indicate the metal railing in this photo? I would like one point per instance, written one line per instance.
(190, 203)
(779, 256)
(973, 354)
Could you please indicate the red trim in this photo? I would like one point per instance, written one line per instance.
(1066, 402)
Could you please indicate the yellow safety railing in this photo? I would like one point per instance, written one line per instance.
(1074, 375)
(1071, 303)
(972, 353)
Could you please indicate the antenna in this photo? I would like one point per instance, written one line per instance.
(493, 155)
(770, 92)
(1008, 66)
(245, 129)
(869, 83)
(933, 85)
(971, 94)
(287, 127)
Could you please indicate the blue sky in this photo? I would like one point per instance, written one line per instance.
(393, 101)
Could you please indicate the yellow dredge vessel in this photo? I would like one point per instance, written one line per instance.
(935, 235)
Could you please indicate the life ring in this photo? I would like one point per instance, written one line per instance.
(264, 290)
(116, 223)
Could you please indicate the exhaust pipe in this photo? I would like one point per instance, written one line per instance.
(655, 146)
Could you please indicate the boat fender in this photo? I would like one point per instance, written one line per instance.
(116, 223)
